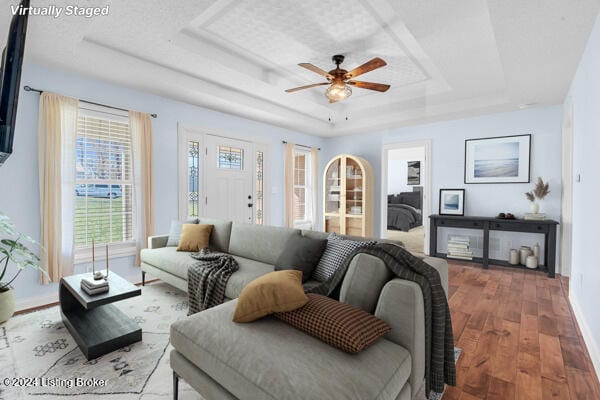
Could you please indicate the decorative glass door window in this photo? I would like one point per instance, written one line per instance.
(259, 189)
(193, 178)
(230, 158)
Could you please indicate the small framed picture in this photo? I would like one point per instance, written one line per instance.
(452, 201)
(498, 160)
(414, 173)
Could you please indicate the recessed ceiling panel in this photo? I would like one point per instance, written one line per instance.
(285, 33)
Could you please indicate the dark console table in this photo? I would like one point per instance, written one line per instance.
(487, 224)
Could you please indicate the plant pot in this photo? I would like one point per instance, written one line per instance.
(7, 305)
(535, 208)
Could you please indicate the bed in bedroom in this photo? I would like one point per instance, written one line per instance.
(404, 211)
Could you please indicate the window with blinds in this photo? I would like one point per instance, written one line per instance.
(104, 180)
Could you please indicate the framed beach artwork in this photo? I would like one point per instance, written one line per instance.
(414, 173)
(498, 160)
(452, 201)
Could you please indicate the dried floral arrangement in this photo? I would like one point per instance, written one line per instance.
(541, 190)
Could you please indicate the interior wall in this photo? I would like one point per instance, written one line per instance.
(398, 168)
(447, 164)
(585, 270)
(19, 175)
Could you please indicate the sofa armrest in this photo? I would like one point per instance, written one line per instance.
(441, 265)
(401, 306)
(155, 242)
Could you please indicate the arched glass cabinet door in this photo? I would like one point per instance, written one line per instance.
(354, 205)
(334, 196)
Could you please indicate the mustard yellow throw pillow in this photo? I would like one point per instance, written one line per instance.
(194, 237)
(277, 291)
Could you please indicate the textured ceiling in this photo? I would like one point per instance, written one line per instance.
(445, 59)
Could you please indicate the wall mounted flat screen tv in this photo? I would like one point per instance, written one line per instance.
(10, 79)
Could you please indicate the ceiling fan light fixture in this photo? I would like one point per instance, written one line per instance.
(338, 91)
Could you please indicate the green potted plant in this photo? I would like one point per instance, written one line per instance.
(13, 250)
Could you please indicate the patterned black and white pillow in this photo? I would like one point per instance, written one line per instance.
(334, 255)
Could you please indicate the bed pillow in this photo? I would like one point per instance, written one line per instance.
(335, 254)
(301, 253)
(175, 231)
(338, 324)
(410, 198)
(276, 291)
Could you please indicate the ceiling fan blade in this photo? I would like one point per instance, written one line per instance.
(306, 87)
(366, 67)
(380, 87)
(316, 69)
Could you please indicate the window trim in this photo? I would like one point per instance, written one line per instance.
(307, 222)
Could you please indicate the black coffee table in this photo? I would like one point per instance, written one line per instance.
(97, 326)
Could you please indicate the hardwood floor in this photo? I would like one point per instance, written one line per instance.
(518, 336)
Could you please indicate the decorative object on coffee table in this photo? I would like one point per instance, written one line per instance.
(98, 274)
(97, 326)
(498, 159)
(452, 201)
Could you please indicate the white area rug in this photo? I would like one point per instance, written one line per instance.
(37, 345)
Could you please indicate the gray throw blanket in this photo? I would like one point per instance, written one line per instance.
(208, 279)
(440, 366)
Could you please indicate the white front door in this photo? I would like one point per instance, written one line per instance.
(229, 167)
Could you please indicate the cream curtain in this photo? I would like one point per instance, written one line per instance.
(57, 131)
(288, 185)
(314, 158)
(140, 126)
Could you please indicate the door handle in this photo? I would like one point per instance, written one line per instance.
(250, 205)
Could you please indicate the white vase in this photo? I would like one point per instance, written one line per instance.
(535, 208)
(7, 305)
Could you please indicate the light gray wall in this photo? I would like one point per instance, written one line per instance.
(447, 163)
(19, 197)
(585, 267)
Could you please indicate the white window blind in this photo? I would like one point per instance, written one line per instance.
(302, 189)
(104, 179)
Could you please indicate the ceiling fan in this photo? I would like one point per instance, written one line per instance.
(340, 80)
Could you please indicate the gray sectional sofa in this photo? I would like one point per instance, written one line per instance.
(269, 359)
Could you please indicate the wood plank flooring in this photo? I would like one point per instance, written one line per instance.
(518, 336)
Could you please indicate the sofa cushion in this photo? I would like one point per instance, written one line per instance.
(365, 277)
(248, 271)
(269, 359)
(219, 238)
(194, 237)
(169, 259)
(341, 325)
(277, 291)
(301, 253)
(335, 254)
(259, 242)
(175, 231)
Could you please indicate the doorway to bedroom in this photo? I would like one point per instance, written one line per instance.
(406, 194)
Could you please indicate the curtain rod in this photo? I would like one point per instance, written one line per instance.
(30, 89)
(300, 145)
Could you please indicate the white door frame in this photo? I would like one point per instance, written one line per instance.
(186, 133)
(566, 219)
(426, 211)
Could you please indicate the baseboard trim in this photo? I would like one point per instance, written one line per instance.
(586, 332)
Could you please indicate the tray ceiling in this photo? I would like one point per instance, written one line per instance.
(445, 59)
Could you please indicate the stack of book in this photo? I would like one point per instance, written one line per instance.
(535, 216)
(458, 247)
(92, 287)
